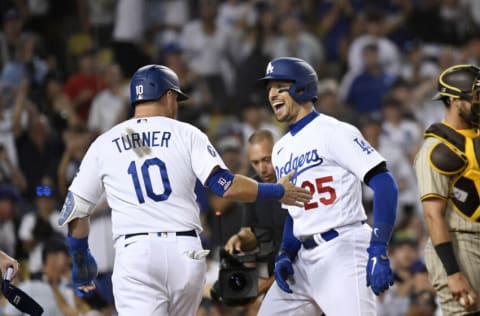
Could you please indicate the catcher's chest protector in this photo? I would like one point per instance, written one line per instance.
(458, 156)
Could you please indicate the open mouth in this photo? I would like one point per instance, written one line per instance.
(278, 105)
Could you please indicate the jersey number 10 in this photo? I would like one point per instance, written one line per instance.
(145, 172)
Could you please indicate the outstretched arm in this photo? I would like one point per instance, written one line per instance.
(240, 188)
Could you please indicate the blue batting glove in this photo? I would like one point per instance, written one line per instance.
(379, 273)
(84, 268)
(283, 269)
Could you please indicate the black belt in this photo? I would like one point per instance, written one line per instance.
(310, 243)
(191, 233)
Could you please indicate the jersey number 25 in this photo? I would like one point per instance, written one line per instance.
(322, 186)
(145, 172)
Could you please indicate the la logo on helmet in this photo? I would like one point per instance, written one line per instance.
(269, 68)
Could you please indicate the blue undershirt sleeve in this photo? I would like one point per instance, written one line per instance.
(385, 201)
(290, 244)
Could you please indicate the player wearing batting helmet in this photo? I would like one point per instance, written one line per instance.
(447, 168)
(148, 166)
(329, 256)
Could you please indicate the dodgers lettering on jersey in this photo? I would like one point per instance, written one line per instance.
(300, 163)
(148, 169)
(331, 167)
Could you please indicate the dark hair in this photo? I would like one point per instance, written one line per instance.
(54, 244)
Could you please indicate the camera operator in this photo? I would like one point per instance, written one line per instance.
(262, 224)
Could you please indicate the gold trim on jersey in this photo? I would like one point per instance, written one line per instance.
(433, 195)
(458, 156)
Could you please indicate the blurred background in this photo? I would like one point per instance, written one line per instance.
(64, 76)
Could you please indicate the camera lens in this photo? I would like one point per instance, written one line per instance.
(237, 281)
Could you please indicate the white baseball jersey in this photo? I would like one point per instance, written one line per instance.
(148, 168)
(331, 158)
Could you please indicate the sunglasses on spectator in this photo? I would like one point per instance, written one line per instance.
(44, 190)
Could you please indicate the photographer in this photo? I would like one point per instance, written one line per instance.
(262, 224)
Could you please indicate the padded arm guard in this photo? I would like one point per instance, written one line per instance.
(74, 207)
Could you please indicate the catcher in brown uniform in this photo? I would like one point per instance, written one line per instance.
(448, 174)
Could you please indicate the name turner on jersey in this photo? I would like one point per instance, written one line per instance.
(144, 139)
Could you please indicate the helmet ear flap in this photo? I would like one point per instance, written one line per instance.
(302, 93)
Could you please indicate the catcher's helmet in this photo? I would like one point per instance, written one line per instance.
(151, 82)
(458, 82)
(298, 71)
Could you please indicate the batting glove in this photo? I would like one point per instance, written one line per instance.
(283, 269)
(84, 268)
(379, 273)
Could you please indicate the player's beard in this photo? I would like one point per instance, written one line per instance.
(283, 115)
(466, 115)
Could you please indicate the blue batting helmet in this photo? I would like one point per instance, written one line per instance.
(151, 82)
(298, 71)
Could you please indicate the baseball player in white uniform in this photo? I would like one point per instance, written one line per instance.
(329, 255)
(147, 167)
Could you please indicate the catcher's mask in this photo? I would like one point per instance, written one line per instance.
(475, 109)
(461, 82)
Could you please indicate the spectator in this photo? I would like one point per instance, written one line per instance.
(166, 20)
(76, 139)
(39, 225)
(59, 108)
(85, 84)
(368, 86)
(399, 130)
(262, 222)
(109, 107)
(400, 166)
(128, 36)
(8, 211)
(403, 254)
(334, 22)
(388, 53)
(199, 94)
(9, 173)
(231, 150)
(295, 41)
(37, 142)
(206, 51)
(256, 116)
(12, 28)
(52, 291)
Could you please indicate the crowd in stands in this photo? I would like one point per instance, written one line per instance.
(64, 74)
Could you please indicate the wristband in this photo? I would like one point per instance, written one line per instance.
(77, 244)
(381, 233)
(270, 191)
(447, 257)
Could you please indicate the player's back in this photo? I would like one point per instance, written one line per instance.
(148, 167)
